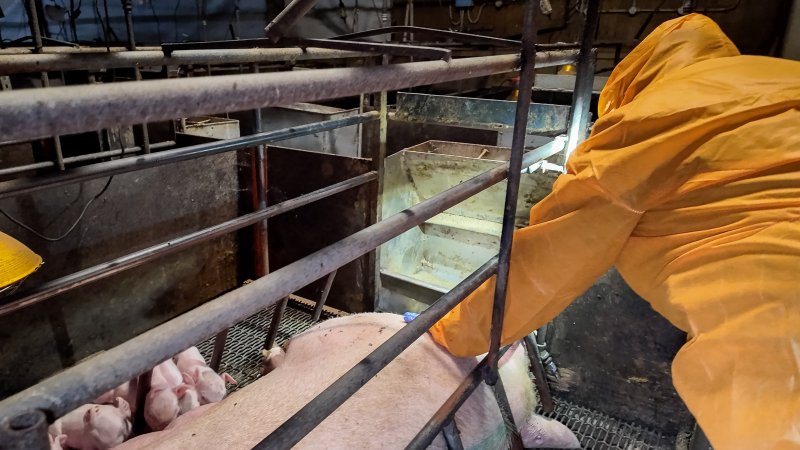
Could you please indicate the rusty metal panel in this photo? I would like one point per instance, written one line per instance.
(543, 119)
(305, 230)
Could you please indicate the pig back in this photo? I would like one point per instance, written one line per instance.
(386, 413)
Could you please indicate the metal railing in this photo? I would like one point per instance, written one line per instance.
(96, 107)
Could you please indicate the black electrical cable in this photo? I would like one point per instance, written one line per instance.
(80, 216)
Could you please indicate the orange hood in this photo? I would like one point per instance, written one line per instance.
(675, 44)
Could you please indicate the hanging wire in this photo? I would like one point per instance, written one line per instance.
(80, 216)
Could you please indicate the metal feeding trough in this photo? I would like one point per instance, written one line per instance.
(420, 265)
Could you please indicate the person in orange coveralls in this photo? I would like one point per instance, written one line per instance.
(690, 185)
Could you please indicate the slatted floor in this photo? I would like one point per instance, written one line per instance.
(596, 431)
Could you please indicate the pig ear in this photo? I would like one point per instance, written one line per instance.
(180, 391)
(227, 378)
(123, 406)
(187, 378)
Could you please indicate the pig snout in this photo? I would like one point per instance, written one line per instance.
(271, 359)
(161, 407)
(541, 432)
(211, 386)
(188, 398)
(106, 426)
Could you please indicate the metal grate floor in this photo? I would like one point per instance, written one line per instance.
(242, 355)
(242, 360)
(598, 431)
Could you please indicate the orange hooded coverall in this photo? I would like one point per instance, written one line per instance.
(690, 185)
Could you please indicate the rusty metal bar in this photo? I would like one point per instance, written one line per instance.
(124, 165)
(76, 385)
(448, 410)
(584, 78)
(33, 22)
(34, 114)
(512, 188)
(414, 51)
(142, 388)
(286, 19)
(539, 376)
(275, 323)
(135, 259)
(16, 63)
(500, 396)
(82, 158)
(323, 297)
(259, 176)
(452, 437)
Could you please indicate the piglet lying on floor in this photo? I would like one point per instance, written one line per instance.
(210, 386)
(171, 394)
(387, 412)
(92, 427)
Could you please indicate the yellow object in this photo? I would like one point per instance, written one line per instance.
(690, 185)
(567, 69)
(16, 260)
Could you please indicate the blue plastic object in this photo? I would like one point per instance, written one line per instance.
(409, 316)
(464, 3)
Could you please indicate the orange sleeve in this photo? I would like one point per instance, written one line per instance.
(576, 234)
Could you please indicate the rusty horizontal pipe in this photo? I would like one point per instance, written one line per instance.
(28, 185)
(35, 114)
(76, 385)
(16, 63)
(82, 158)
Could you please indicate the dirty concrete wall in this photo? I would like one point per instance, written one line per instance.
(138, 210)
(614, 354)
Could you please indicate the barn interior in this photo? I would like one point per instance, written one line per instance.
(228, 173)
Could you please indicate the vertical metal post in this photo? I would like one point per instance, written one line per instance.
(27, 431)
(584, 80)
(323, 297)
(378, 166)
(36, 35)
(277, 315)
(127, 7)
(528, 60)
(452, 437)
(33, 22)
(515, 441)
(540, 378)
(142, 388)
(260, 237)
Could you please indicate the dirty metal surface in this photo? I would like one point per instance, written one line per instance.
(305, 230)
(544, 119)
(425, 262)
